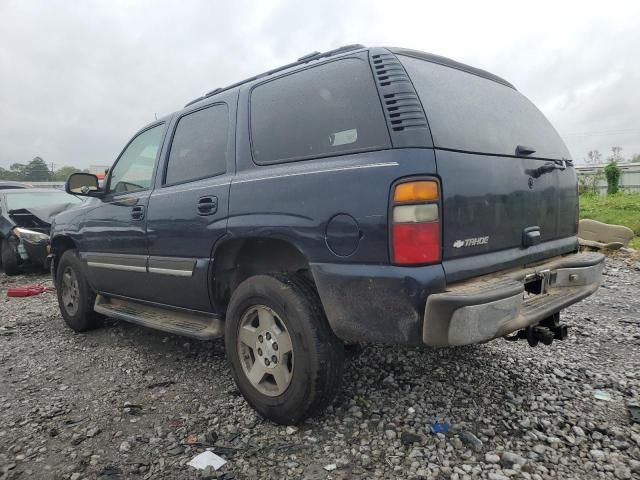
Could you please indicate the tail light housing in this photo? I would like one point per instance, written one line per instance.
(415, 223)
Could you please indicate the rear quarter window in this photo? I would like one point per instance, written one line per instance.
(474, 114)
(326, 110)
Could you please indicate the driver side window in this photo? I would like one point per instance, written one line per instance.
(134, 169)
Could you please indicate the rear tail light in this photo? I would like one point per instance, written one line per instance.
(415, 223)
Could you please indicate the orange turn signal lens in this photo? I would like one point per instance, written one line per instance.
(423, 191)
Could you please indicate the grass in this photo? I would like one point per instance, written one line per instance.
(619, 209)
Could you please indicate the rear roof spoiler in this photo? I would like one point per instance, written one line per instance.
(447, 62)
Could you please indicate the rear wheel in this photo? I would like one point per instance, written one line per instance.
(75, 296)
(284, 356)
(10, 257)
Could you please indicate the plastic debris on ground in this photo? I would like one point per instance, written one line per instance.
(207, 459)
(438, 427)
(28, 290)
(602, 395)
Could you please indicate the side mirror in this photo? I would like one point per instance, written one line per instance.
(85, 184)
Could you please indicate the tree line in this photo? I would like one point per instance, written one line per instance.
(611, 171)
(594, 157)
(37, 170)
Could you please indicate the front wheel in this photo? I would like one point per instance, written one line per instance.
(75, 296)
(284, 357)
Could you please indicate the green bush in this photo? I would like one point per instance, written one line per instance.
(612, 172)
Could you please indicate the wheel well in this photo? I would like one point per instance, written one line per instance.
(58, 246)
(237, 260)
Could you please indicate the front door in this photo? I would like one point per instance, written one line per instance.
(188, 209)
(114, 243)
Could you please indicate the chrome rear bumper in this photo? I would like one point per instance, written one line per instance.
(495, 305)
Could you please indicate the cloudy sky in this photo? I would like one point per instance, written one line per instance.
(77, 79)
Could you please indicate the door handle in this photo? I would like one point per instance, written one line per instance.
(207, 205)
(137, 213)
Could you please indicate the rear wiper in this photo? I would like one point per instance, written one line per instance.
(521, 150)
(548, 167)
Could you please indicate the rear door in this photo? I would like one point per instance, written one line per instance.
(508, 185)
(188, 210)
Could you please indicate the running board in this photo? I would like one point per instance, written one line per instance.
(201, 326)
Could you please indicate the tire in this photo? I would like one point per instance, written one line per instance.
(75, 296)
(10, 258)
(270, 308)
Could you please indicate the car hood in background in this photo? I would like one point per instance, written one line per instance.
(45, 214)
(38, 219)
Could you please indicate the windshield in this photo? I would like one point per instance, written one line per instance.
(16, 201)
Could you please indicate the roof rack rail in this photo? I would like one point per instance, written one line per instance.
(213, 92)
(302, 60)
(308, 56)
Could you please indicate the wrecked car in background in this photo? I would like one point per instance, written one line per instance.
(25, 221)
(8, 184)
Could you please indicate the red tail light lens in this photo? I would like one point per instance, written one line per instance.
(416, 243)
(415, 223)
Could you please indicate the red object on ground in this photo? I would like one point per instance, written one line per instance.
(27, 290)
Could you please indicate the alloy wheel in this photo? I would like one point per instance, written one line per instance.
(266, 350)
(70, 291)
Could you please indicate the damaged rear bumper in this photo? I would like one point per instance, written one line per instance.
(495, 305)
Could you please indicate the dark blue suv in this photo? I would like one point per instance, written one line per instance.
(357, 195)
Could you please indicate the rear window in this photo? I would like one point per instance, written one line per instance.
(199, 146)
(326, 110)
(470, 113)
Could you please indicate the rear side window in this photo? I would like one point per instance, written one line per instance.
(199, 146)
(470, 113)
(326, 110)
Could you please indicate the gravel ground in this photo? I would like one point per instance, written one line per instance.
(126, 402)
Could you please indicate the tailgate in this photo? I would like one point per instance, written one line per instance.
(493, 203)
(509, 189)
